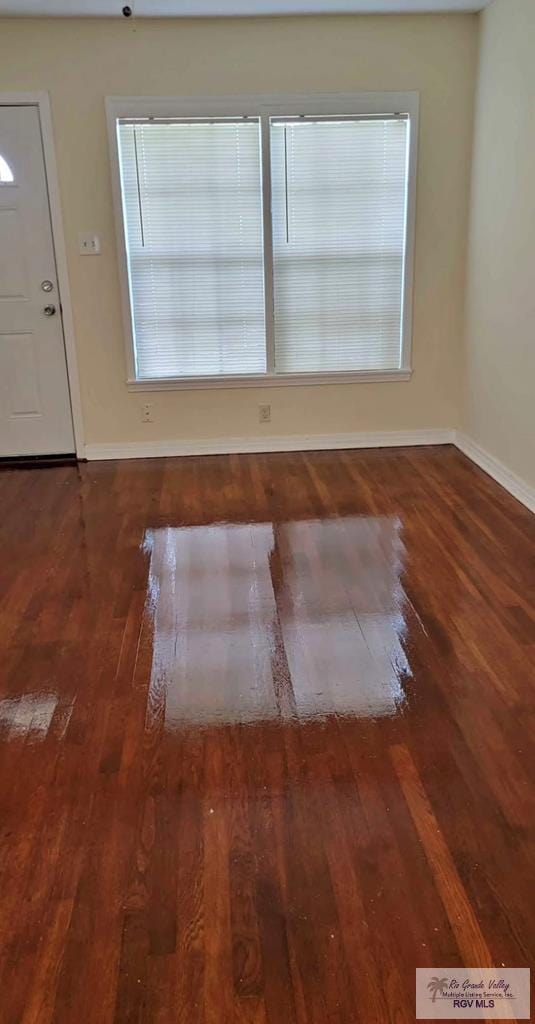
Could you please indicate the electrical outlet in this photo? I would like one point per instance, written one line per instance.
(264, 413)
(146, 413)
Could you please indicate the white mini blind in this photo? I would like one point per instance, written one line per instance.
(192, 206)
(339, 197)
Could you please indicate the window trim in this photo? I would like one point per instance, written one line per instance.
(265, 107)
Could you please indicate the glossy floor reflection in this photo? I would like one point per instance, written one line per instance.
(260, 622)
(264, 736)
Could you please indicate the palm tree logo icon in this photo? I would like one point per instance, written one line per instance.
(436, 985)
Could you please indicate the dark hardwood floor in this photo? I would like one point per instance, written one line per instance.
(266, 740)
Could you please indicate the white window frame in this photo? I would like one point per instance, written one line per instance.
(264, 107)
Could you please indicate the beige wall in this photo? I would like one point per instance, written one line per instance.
(80, 62)
(499, 411)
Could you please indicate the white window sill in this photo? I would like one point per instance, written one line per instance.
(268, 380)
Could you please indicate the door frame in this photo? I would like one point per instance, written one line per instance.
(41, 100)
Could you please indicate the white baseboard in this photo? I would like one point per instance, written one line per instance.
(321, 442)
(496, 469)
(294, 443)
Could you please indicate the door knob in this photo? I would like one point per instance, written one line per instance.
(49, 310)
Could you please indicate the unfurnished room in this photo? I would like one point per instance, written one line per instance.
(267, 498)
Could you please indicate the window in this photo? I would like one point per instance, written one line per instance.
(193, 216)
(270, 244)
(6, 174)
(339, 189)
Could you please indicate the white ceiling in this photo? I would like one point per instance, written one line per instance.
(221, 8)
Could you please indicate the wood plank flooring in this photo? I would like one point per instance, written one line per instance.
(265, 736)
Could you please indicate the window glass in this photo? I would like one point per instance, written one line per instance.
(192, 202)
(6, 174)
(339, 205)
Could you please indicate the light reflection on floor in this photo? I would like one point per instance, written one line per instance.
(259, 622)
(29, 715)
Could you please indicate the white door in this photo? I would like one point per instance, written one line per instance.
(35, 410)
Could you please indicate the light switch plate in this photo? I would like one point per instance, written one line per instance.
(89, 244)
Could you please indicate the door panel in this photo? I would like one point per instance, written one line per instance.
(17, 354)
(35, 411)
